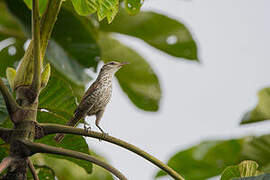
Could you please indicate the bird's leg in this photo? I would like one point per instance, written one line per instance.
(99, 115)
(84, 125)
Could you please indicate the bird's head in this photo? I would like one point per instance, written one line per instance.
(112, 67)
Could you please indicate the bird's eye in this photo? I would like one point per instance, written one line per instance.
(112, 63)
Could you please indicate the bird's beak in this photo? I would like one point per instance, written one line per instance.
(123, 63)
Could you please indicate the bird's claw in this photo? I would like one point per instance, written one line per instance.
(87, 129)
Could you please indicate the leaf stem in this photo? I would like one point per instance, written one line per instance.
(42, 148)
(36, 49)
(53, 128)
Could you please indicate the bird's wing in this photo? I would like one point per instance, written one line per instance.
(86, 104)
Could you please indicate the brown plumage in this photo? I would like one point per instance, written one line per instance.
(96, 97)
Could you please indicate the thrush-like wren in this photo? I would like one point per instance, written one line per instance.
(95, 98)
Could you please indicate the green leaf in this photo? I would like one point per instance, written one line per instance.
(262, 111)
(209, 158)
(43, 172)
(78, 42)
(260, 177)
(10, 54)
(244, 169)
(104, 8)
(133, 6)
(137, 79)
(66, 65)
(8, 23)
(57, 104)
(66, 170)
(158, 30)
(42, 5)
(206, 160)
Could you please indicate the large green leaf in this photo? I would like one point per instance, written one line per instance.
(244, 169)
(206, 160)
(157, 30)
(209, 158)
(260, 177)
(76, 40)
(137, 79)
(262, 111)
(104, 8)
(65, 170)
(57, 104)
(42, 5)
(66, 65)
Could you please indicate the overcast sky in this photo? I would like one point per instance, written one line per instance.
(200, 101)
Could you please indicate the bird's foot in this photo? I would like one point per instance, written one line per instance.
(87, 129)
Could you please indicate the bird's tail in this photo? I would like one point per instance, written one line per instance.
(72, 122)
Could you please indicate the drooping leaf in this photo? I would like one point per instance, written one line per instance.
(244, 169)
(78, 42)
(133, 6)
(57, 104)
(206, 160)
(66, 170)
(66, 65)
(22, 14)
(137, 79)
(260, 177)
(262, 111)
(158, 30)
(215, 156)
(104, 8)
(42, 5)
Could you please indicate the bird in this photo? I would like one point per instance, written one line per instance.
(96, 98)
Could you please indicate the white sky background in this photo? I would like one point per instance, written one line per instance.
(200, 101)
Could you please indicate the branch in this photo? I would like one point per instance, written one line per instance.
(53, 128)
(5, 163)
(36, 51)
(42, 148)
(32, 169)
(11, 104)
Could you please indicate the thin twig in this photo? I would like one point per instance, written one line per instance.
(32, 169)
(11, 104)
(5, 163)
(36, 51)
(55, 128)
(42, 148)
